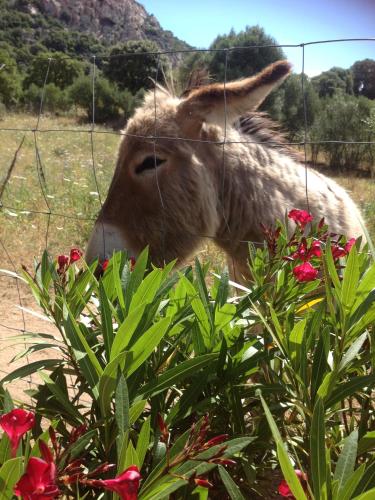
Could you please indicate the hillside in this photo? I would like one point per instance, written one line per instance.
(78, 28)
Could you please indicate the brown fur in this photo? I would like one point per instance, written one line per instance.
(219, 176)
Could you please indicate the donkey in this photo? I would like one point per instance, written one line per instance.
(207, 165)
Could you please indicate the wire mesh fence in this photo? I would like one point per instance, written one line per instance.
(55, 178)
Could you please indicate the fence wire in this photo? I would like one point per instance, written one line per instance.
(92, 131)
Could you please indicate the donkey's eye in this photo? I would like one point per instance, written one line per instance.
(149, 163)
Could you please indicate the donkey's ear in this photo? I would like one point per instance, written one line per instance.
(222, 103)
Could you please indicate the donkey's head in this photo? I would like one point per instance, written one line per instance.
(165, 191)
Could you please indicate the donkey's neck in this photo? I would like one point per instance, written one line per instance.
(252, 189)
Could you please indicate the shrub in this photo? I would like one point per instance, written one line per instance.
(153, 356)
(55, 100)
(348, 119)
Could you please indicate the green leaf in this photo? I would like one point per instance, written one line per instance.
(79, 446)
(320, 365)
(136, 276)
(86, 358)
(351, 483)
(349, 388)
(365, 286)
(326, 387)
(369, 495)
(126, 330)
(136, 410)
(352, 352)
(10, 473)
(284, 460)
(367, 481)
(31, 368)
(295, 342)
(367, 442)
(145, 345)
(146, 290)
(122, 412)
(331, 267)
(346, 462)
(131, 456)
(178, 374)
(107, 327)
(317, 450)
(61, 398)
(108, 381)
(143, 441)
(231, 487)
(350, 280)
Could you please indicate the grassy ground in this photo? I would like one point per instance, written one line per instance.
(70, 191)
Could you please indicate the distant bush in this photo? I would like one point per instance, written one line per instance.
(10, 80)
(348, 119)
(134, 64)
(62, 71)
(111, 104)
(55, 100)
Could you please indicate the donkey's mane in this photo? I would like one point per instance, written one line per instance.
(264, 130)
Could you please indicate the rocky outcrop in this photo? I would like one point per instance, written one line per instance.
(111, 21)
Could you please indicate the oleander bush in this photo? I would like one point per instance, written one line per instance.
(178, 383)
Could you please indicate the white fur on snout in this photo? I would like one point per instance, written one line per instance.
(106, 239)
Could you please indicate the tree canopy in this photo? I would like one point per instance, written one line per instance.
(364, 78)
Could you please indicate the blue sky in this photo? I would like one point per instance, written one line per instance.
(288, 21)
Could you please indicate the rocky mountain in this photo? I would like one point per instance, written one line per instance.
(110, 21)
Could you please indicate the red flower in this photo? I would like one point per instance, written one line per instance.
(303, 253)
(284, 489)
(126, 484)
(216, 440)
(15, 424)
(63, 262)
(75, 254)
(132, 263)
(338, 251)
(305, 272)
(203, 483)
(300, 217)
(104, 264)
(38, 482)
(349, 245)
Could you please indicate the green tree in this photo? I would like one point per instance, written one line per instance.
(348, 119)
(62, 70)
(364, 78)
(288, 103)
(55, 99)
(111, 104)
(133, 65)
(259, 52)
(332, 81)
(10, 80)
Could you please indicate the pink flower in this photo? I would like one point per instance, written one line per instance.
(300, 217)
(75, 254)
(39, 481)
(125, 484)
(284, 489)
(15, 424)
(305, 272)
